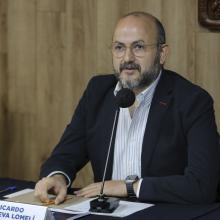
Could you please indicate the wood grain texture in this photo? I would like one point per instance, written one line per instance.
(207, 66)
(49, 49)
(51, 5)
(180, 20)
(3, 86)
(21, 94)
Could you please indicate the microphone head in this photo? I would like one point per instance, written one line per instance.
(125, 98)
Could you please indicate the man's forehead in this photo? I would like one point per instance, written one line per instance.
(135, 27)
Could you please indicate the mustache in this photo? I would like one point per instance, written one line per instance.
(129, 66)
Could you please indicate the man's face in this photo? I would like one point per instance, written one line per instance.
(139, 64)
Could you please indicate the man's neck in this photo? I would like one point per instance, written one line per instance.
(139, 90)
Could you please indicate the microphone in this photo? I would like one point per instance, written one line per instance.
(124, 98)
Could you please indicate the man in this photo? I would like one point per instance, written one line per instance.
(166, 142)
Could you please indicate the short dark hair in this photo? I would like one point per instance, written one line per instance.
(161, 35)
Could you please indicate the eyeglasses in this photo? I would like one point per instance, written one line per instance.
(138, 48)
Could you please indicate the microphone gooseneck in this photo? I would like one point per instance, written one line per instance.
(108, 154)
(124, 98)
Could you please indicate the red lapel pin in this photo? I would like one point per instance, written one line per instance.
(163, 103)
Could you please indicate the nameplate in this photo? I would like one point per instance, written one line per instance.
(21, 211)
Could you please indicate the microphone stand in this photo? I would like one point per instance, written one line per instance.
(105, 204)
(124, 98)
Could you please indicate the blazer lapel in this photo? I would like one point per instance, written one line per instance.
(159, 106)
(110, 111)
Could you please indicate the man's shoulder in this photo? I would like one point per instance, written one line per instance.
(100, 85)
(102, 81)
(184, 86)
(179, 79)
(105, 78)
(186, 94)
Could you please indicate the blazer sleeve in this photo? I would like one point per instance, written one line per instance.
(199, 182)
(70, 155)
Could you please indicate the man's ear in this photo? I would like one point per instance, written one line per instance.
(164, 49)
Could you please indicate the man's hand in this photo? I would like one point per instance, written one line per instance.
(111, 188)
(56, 184)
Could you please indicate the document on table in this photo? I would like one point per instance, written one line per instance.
(125, 208)
(27, 196)
(21, 192)
(77, 205)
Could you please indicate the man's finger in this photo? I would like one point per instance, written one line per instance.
(43, 186)
(93, 186)
(89, 191)
(61, 195)
(41, 189)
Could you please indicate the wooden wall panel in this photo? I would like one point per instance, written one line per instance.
(3, 87)
(49, 49)
(208, 66)
(179, 18)
(153, 7)
(108, 12)
(84, 46)
(51, 5)
(21, 92)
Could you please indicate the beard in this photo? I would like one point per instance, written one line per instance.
(144, 79)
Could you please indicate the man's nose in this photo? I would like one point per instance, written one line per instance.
(129, 55)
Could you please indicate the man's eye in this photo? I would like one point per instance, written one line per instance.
(139, 47)
(119, 47)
